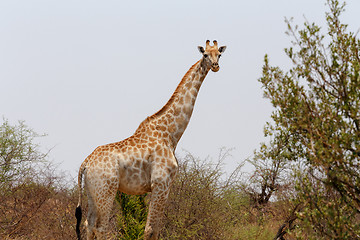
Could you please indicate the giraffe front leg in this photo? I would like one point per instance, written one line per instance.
(162, 175)
(154, 224)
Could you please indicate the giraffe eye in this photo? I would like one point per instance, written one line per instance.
(205, 55)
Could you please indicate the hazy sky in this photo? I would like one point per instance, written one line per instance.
(88, 72)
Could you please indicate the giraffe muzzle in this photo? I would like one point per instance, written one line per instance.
(215, 67)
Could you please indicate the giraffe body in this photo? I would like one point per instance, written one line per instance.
(144, 162)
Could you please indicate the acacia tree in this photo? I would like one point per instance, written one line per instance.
(19, 153)
(272, 171)
(317, 106)
(21, 178)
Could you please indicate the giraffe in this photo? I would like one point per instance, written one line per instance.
(144, 162)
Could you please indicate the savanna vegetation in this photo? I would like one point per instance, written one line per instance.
(306, 178)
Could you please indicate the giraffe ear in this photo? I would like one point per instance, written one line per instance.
(222, 49)
(201, 49)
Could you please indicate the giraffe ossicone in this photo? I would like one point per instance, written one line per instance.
(144, 162)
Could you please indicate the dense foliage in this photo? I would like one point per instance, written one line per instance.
(317, 121)
(132, 220)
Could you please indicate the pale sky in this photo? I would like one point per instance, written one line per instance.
(88, 72)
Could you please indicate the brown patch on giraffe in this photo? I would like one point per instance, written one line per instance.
(178, 135)
(166, 121)
(161, 127)
(137, 163)
(182, 93)
(172, 128)
(169, 117)
(149, 132)
(181, 101)
(143, 154)
(179, 120)
(177, 111)
(197, 83)
(146, 167)
(165, 135)
(159, 151)
(188, 85)
(152, 144)
(132, 143)
(188, 98)
(187, 109)
(194, 92)
(166, 153)
(136, 154)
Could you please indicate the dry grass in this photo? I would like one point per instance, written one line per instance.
(37, 212)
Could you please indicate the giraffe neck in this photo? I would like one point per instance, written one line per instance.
(172, 119)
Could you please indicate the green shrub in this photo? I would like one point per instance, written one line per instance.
(133, 218)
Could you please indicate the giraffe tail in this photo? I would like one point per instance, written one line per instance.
(78, 211)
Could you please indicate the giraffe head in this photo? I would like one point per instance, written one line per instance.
(211, 55)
